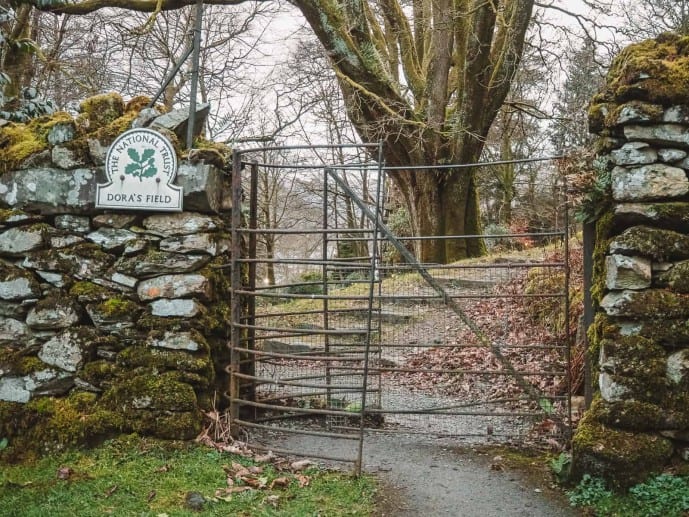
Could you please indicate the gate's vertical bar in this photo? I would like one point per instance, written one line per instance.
(589, 244)
(326, 318)
(369, 322)
(568, 340)
(236, 281)
(251, 301)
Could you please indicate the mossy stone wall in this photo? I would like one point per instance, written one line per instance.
(110, 321)
(639, 421)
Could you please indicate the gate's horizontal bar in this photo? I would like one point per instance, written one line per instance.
(384, 345)
(285, 409)
(279, 382)
(305, 231)
(495, 434)
(555, 233)
(498, 265)
(376, 369)
(290, 296)
(316, 332)
(452, 413)
(343, 264)
(298, 357)
(294, 430)
(309, 394)
(321, 375)
(467, 296)
(331, 311)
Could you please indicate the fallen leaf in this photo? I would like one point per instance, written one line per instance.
(303, 480)
(256, 470)
(279, 483)
(110, 491)
(240, 470)
(151, 495)
(272, 500)
(64, 473)
(300, 465)
(265, 458)
(164, 468)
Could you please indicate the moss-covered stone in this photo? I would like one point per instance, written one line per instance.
(150, 392)
(177, 426)
(622, 458)
(47, 424)
(88, 292)
(631, 415)
(677, 279)
(655, 243)
(603, 234)
(651, 304)
(634, 111)
(654, 70)
(165, 360)
(101, 374)
(100, 110)
(20, 141)
(117, 307)
(673, 215)
(668, 332)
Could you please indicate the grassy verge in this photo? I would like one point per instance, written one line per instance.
(135, 476)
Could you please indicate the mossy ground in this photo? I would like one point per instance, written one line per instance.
(135, 476)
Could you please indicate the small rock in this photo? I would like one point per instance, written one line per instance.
(117, 221)
(181, 308)
(73, 223)
(111, 238)
(183, 223)
(194, 501)
(174, 286)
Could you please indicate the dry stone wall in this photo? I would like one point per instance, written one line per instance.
(109, 321)
(639, 421)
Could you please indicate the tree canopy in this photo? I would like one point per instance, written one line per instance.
(426, 78)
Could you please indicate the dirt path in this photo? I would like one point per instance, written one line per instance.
(429, 478)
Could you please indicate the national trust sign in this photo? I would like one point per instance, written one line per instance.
(141, 165)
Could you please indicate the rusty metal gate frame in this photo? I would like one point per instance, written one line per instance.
(243, 328)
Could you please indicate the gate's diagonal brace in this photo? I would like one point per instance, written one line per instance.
(528, 388)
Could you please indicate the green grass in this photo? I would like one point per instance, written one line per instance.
(143, 477)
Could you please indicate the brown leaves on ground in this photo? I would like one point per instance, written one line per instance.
(527, 332)
(243, 478)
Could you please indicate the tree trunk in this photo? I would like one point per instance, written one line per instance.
(446, 205)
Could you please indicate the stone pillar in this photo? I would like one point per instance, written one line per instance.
(639, 420)
(110, 321)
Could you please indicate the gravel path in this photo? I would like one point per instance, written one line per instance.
(430, 478)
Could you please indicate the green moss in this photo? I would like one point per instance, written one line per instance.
(631, 415)
(9, 213)
(46, 424)
(118, 307)
(622, 458)
(88, 292)
(29, 364)
(164, 360)
(600, 250)
(656, 243)
(100, 110)
(17, 143)
(597, 115)
(655, 70)
(100, 373)
(150, 392)
(677, 279)
(653, 304)
(649, 112)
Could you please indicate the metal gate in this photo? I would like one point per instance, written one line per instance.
(338, 332)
